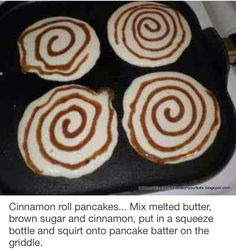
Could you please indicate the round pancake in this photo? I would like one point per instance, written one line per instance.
(58, 48)
(69, 131)
(169, 117)
(148, 34)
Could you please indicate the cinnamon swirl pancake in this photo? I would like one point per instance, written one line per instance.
(169, 117)
(70, 131)
(58, 48)
(148, 34)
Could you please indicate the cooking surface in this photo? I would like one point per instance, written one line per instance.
(126, 169)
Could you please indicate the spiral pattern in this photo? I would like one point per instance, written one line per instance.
(70, 131)
(58, 48)
(148, 34)
(169, 117)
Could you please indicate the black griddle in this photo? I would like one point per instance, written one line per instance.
(205, 60)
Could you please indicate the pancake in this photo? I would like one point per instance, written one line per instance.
(69, 131)
(148, 34)
(58, 48)
(169, 117)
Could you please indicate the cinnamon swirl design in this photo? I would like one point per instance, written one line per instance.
(70, 131)
(148, 34)
(58, 48)
(169, 117)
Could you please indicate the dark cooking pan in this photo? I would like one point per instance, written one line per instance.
(205, 60)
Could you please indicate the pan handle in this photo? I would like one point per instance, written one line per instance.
(219, 57)
(230, 43)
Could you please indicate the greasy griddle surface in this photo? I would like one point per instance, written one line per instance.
(204, 60)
